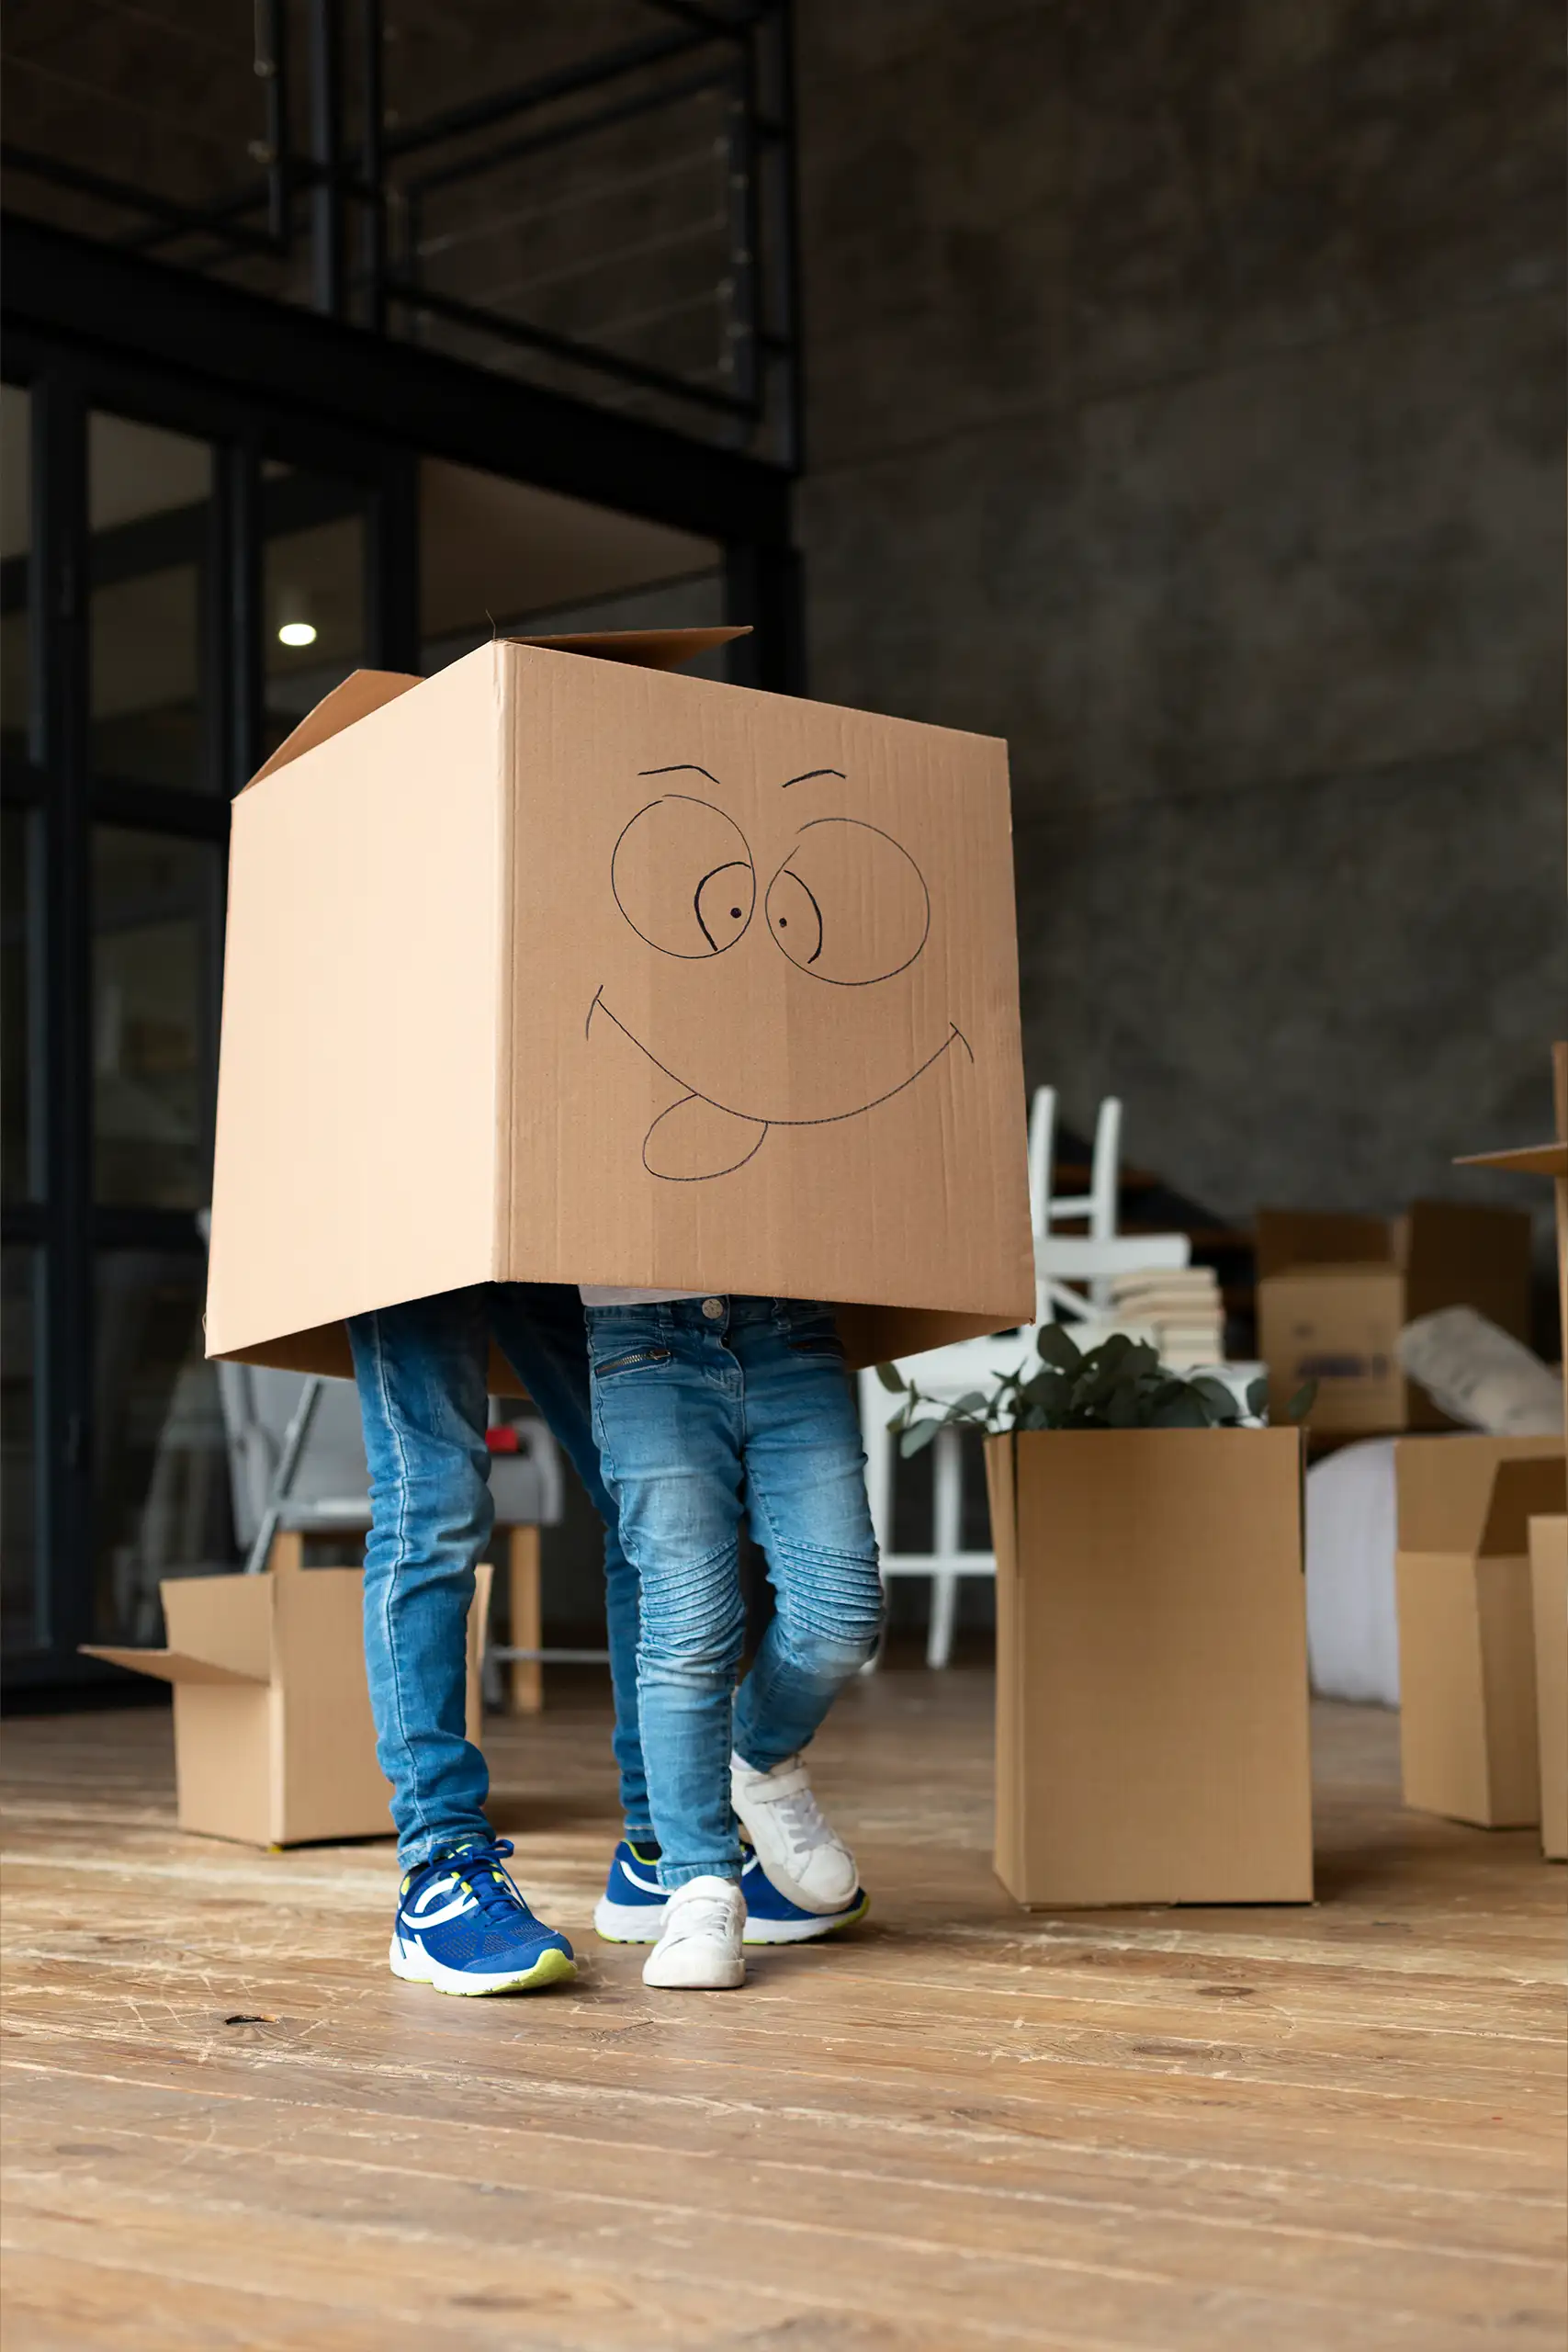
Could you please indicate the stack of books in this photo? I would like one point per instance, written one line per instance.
(1180, 1313)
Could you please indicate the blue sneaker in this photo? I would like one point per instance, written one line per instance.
(631, 1909)
(462, 1927)
(772, 1919)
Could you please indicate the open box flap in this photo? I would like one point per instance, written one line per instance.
(363, 691)
(1526, 1159)
(1520, 1491)
(1447, 1487)
(169, 1665)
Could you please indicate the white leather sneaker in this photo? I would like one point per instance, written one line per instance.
(801, 1852)
(699, 1951)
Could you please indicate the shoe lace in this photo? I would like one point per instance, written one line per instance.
(803, 1818)
(698, 1915)
(478, 1870)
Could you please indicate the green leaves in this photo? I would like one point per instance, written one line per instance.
(891, 1378)
(1302, 1402)
(1119, 1384)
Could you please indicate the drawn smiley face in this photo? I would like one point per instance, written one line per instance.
(847, 905)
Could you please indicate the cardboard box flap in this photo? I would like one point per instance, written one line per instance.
(1525, 1160)
(1446, 1487)
(646, 649)
(1520, 1491)
(361, 692)
(1287, 1239)
(168, 1666)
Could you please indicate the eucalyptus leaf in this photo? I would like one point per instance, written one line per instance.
(1302, 1402)
(892, 1379)
(915, 1441)
(1257, 1396)
(1058, 1348)
(1183, 1411)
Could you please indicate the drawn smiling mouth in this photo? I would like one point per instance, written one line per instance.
(696, 1138)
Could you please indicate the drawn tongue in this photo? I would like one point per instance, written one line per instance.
(693, 1139)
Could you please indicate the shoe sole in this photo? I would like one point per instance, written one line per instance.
(622, 1923)
(551, 1968)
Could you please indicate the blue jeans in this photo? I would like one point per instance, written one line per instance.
(420, 1373)
(709, 1412)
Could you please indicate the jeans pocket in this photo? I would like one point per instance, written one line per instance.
(647, 1358)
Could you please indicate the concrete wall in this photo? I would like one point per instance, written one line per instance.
(1185, 400)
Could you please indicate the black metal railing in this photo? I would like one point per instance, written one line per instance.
(618, 224)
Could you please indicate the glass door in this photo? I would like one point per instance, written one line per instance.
(179, 582)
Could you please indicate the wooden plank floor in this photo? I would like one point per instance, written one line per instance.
(961, 2127)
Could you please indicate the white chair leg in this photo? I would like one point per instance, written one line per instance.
(944, 1611)
(947, 1528)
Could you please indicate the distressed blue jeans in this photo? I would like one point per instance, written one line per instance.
(420, 1373)
(710, 1413)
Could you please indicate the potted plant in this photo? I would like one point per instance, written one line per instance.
(1151, 1629)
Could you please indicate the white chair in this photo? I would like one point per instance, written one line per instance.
(1072, 1273)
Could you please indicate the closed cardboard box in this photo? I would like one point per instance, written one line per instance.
(1549, 1591)
(1151, 1666)
(561, 966)
(1467, 1671)
(274, 1742)
(1335, 1292)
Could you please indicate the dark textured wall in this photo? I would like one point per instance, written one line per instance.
(1185, 403)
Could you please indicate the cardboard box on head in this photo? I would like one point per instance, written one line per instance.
(570, 969)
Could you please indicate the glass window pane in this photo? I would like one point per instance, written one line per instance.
(149, 508)
(154, 961)
(313, 593)
(16, 567)
(21, 1124)
(21, 1323)
(160, 1472)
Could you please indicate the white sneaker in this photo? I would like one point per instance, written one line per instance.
(699, 1951)
(801, 1852)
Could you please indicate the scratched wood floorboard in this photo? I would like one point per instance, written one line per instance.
(961, 2127)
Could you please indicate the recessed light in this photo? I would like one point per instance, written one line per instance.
(297, 633)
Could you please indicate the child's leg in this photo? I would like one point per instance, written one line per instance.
(805, 1484)
(666, 1415)
(420, 1373)
(542, 1335)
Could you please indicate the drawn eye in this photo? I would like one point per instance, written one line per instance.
(795, 919)
(682, 876)
(848, 904)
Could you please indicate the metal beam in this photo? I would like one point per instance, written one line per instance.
(263, 352)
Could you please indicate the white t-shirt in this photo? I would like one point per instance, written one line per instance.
(593, 1294)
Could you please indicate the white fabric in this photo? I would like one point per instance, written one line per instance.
(1480, 1374)
(1352, 1535)
(594, 1295)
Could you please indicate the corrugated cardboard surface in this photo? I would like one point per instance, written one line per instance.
(1468, 1744)
(356, 1142)
(274, 1741)
(1152, 1677)
(561, 969)
(1335, 1293)
(1549, 1583)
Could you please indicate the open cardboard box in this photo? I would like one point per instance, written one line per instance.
(1335, 1292)
(1467, 1673)
(559, 967)
(1151, 1666)
(1548, 1537)
(274, 1743)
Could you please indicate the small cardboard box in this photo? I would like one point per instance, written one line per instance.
(1467, 1678)
(559, 967)
(274, 1743)
(1335, 1292)
(1151, 1666)
(1549, 1588)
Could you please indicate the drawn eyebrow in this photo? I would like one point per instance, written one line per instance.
(682, 768)
(809, 774)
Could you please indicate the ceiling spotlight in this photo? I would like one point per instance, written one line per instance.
(297, 633)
